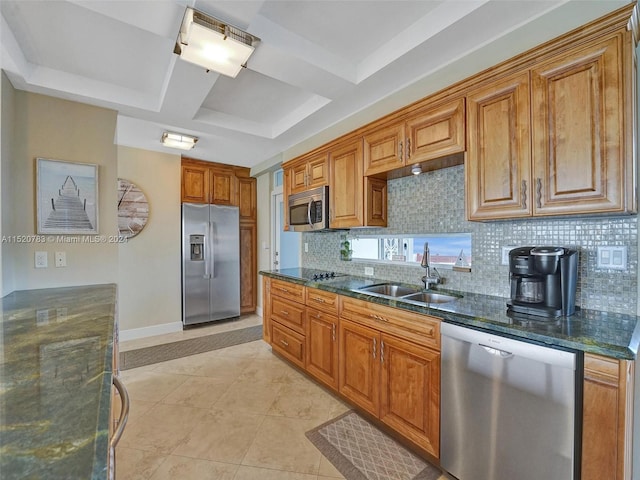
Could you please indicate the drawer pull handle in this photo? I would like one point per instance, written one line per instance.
(284, 312)
(378, 317)
(400, 150)
(333, 331)
(284, 342)
(283, 289)
(381, 351)
(318, 299)
(374, 348)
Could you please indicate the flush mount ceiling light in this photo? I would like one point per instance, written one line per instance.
(213, 44)
(416, 169)
(178, 140)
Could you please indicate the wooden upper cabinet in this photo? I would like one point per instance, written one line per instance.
(195, 184)
(309, 172)
(346, 185)
(578, 137)
(435, 131)
(498, 163)
(206, 182)
(247, 198)
(426, 134)
(375, 202)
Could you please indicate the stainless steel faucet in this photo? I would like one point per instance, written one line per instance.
(428, 279)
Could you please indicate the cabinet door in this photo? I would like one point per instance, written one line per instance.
(384, 149)
(247, 198)
(322, 346)
(298, 177)
(223, 188)
(266, 309)
(375, 202)
(288, 343)
(578, 145)
(346, 185)
(607, 418)
(498, 163)
(248, 267)
(196, 181)
(359, 377)
(410, 391)
(435, 132)
(318, 171)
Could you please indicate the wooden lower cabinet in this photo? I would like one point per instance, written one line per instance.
(607, 423)
(266, 309)
(393, 379)
(248, 267)
(322, 347)
(410, 391)
(288, 343)
(360, 365)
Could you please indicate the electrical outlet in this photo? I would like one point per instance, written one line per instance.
(306, 247)
(368, 271)
(61, 259)
(505, 254)
(41, 260)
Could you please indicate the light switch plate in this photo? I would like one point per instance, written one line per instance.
(612, 257)
(41, 259)
(368, 271)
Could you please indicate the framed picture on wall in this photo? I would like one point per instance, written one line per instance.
(67, 197)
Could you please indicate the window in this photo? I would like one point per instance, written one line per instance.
(445, 249)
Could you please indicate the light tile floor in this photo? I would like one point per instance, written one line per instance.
(238, 413)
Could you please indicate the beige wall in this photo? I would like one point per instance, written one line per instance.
(149, 283)
(59, 129)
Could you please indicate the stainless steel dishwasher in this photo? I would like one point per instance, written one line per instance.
(509, 409)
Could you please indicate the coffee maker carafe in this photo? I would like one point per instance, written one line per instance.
(543, 281)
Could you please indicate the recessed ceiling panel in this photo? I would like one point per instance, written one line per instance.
(69, 38)
(256, 97)
(350, 29)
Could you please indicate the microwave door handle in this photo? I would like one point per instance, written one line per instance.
(309, 213)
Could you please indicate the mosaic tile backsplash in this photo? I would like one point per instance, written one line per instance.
(434, 203)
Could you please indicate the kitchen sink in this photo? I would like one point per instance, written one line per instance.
(430, 297)
(389, 290)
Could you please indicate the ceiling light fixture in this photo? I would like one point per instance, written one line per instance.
(178, 140)
(213, 44)
(416, 169)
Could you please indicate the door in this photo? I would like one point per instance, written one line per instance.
(286, 245)
(359, 365)
(195, 269)
(346, 192)
(322, 346)
(498, 163)
(578, 145)
(196, 181)
(224, 265)
(410, 391)
(384, 149)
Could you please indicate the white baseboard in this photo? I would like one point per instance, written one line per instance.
(136, 333)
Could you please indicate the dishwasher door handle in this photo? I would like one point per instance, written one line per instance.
(496, 351)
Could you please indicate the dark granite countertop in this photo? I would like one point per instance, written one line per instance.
(55, 382)
(611, 334)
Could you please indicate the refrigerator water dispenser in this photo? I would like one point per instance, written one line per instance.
(197, 247)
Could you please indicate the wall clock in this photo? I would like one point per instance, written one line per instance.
(133, 209)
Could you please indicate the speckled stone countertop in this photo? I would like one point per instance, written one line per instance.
(56, 350)
(611, 334)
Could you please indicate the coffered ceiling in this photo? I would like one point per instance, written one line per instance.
(322, 67)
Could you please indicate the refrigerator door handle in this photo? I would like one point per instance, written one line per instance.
(205, 256)
(212, 256)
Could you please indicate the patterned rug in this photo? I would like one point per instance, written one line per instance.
(192, 346)
(360, 451)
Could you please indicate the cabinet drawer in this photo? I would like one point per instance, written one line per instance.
(322, 300)
(288, 290)
(288, 343)
(288, 313)
(419, 328)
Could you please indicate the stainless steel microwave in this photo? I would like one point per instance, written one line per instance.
(309, 210)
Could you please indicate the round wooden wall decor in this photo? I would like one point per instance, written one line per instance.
(133, 209)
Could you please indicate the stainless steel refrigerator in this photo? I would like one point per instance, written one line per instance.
(210, 263)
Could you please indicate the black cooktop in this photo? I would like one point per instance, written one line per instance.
(309, 273)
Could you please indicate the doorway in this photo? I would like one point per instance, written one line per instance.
(286, 245)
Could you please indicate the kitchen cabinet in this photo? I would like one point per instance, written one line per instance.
(554, 139)
(248, 267)
(247, 202)
(322, 336)
(350, 204)
(207, 182)
(498, 164)
(266, 309)
(607, 418)
(287, 316)
(308, 172)
(431, 132)
(390, 366)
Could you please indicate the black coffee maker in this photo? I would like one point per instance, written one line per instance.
(543, 281)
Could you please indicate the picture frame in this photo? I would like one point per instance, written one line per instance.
(66, 197)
